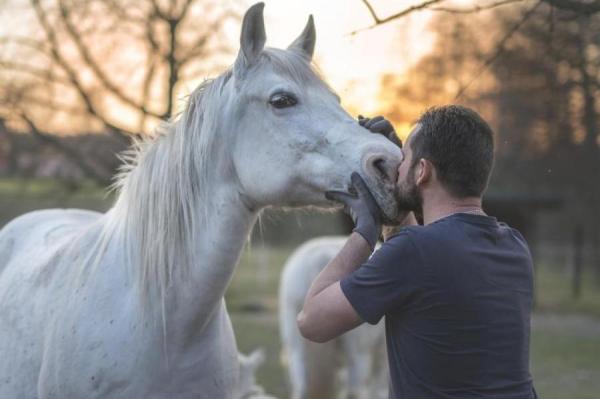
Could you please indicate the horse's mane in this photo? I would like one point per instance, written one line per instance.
(160, 188)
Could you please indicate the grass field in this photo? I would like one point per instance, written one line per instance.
(565, 343)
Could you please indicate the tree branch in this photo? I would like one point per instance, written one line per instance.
(73, 155)
(72, 75)
(172, 67)
(202, 38)
(185, 9)
(403, 13)
(25, 41)
(52, 105)
(476, 8)
(122, 13)
(93, 65)
(578, 6)
(371, 10)
(40, 73)
(499, 49)
(159, 13)
(150, 68)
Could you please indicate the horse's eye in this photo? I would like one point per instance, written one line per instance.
(282, 100)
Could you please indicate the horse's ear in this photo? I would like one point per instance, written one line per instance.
(253, 37)
(305, 43)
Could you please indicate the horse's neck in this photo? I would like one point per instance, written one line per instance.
(203, 260)
(193, 302)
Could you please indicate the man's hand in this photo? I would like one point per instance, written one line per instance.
(363, 209)
(382, 126)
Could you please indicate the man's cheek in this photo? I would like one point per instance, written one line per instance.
(401, 176)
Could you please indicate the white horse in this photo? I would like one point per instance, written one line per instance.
(359, 354)
(129, 304)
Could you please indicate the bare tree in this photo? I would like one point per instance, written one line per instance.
(115, 66)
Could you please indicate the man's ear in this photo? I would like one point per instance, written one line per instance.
(424, 172)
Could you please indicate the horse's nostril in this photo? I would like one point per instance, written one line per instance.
(379, 165)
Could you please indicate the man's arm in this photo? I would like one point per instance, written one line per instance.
(327, 313)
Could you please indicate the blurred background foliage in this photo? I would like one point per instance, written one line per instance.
(79, 79)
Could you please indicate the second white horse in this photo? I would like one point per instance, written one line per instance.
(354, 364)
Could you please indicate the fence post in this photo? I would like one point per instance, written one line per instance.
(577, 261)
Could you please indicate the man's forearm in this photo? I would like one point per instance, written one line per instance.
(353, 254)
(327, 313)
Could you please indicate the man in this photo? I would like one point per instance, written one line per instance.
(456, 292)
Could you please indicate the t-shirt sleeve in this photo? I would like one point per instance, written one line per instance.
(389, 280)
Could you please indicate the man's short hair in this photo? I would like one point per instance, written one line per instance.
(460, 144)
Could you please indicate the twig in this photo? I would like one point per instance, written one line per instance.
(476, 8)
(499, 49)
(93, 65)
(403, 13)
(72, 154)
(72, 74)
(578, 6)
(40, 73)
(371, 10)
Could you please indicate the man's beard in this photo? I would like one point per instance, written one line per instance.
(408, 196)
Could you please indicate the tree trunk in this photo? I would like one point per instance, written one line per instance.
(590, 192)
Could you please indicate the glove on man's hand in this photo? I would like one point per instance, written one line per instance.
(382, 126)
(363, 209)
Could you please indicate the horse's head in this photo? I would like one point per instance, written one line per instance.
(293, 140)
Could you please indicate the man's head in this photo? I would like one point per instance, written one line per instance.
(450, 146)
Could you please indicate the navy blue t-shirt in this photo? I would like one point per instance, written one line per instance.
(456, 295)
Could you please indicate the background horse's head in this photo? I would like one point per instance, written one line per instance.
(292, 139)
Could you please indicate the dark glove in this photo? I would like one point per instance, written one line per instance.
(363, 209)
(382, 126)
